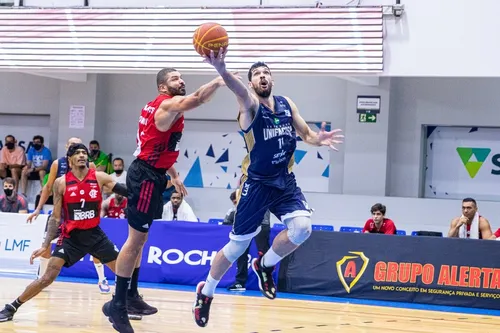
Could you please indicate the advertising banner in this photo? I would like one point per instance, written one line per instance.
(432, 270)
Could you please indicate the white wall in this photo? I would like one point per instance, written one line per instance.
(433, 101)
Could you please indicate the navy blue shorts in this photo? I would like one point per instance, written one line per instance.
(256, 198)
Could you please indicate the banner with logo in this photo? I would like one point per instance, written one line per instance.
(18, 240)
(175, 253)
(462, 162)
(431, 270)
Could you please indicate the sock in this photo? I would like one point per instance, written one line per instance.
(132, 291)
(17, 303)
(121, 289)
(44, 262)
(210, 285)
(270, 259)
(100, 271)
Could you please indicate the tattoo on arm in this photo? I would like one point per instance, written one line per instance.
(55, 218)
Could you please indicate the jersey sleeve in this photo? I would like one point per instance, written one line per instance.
(497, 233)
(390, 228)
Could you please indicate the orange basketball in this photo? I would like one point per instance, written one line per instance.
(210, 36)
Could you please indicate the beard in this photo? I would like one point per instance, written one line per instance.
(180, 91)
(264, 93)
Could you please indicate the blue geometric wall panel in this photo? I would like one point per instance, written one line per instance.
(193, 178)
(224, 157)
(326, 173)
(299, 155)
(224, 168)
(210, 151)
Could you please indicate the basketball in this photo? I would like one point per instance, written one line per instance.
(210, 36)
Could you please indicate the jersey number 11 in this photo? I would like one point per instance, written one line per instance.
(281, 142)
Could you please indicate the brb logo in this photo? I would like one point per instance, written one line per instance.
(347, 269)
(176, 256)
(473, 159)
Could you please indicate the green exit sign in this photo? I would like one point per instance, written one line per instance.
(367, 118)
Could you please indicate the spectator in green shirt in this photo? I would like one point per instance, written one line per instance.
(98, 157)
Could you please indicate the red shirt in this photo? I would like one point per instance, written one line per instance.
(388, 227)
(497, 233)
(117, 211)
(81, 203)
(158, 149)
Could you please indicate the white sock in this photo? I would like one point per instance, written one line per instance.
(44, 262)
(210, 285)
(270, 259)
(100, 271)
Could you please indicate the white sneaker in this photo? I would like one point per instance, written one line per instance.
(104, 287)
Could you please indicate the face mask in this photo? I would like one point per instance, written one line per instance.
(8, 191)
(37, 146)
(94, 152)
(118, 171)
(10, 145)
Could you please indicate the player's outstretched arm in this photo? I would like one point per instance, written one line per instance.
(106, 180)
(321, 138)
(246, 99)
(55, 218)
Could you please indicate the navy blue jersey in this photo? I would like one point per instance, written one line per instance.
(62, 166)
(270, 141)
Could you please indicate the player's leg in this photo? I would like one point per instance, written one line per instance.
(143, 188)
(103, 284)
(249, 214)
(241, 272)
(292, 210)
(66, 254)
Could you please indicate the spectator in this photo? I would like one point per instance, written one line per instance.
(39, 158)
(379, 224)
(11, 201)
(261, 241)
(120, 174)
(114, 207)
(470, 225)
(98, 157)
(229, 218)
(178, 210)
(12, 160)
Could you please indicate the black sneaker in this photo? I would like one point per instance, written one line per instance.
(265, 277)
(201, 307)
(118, 317)
(236, 287)
(7, 313)
(137, 306)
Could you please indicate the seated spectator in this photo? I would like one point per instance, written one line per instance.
(178, 210)
(229, 218)
(379, 224)
(38, 164)
(470, 225)
(12, 160)
(120, 174)
(114, 207)
(11, 201)
(98, 157)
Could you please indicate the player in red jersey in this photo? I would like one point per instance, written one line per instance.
(78, 195)
(160, 129)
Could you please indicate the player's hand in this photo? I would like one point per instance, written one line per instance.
(37, 253)
(331, 138)
(217, 61)
(33, 216)
(179, 186)
(462, 220)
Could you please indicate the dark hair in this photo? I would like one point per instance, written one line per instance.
(74, 147)
(94, 142)
(161, 77)
(9, 180)
(175, 191)
(378, 207)
(118, 159)
(38, 137)
(256, 65)
(10, 136)
(470, 200)
(232, 197)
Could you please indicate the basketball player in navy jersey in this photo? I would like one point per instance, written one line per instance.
(79, 194)
(59, 168)
(270, 125)
(160, 129)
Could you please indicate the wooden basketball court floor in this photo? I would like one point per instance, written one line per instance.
(76, 308)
